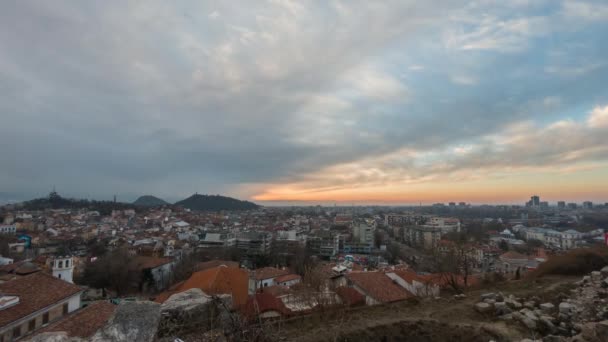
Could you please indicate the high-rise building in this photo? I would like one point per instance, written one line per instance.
(535, 200)
(561, 205)
(587, 205)
(572, 205)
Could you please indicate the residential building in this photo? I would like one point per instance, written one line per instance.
(83, 323)
(223, 239)
(377, 287)
(8, 229)
(160, 270)
(215, 281)
(288, 280)
(414, 283)
(34, 301)
(363, 231)
(324, 243)
(254, 243)
(264, 277)
(510, 262)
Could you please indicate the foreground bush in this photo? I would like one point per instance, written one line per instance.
(575, 262)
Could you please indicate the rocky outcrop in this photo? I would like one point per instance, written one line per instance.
(580, 316)
(133, 322)
(193, 310)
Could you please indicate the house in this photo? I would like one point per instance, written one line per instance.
(8, 229)
(377, 287)
(350, 296)
(263, 277)
(265, 305)
(83, 323)
(215, 281)
(201, 266)
(160, 270)
(511, 261)
(34, 301)
(288, 280)
(418, 285)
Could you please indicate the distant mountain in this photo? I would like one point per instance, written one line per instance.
(149, 201)
(55, 201)
(215, 203)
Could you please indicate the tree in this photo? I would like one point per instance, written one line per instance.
(116, 270)
(393, 253)
(456, 266)
(503, 245)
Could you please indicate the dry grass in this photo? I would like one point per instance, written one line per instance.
(576, 262)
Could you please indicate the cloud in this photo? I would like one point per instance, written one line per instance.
(598, 118)
(561, 147)
(464, 80)
(235, 98)
(586, 10)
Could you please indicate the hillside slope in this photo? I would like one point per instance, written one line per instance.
(215, 203)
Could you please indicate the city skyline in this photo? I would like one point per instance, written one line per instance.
(306, 102)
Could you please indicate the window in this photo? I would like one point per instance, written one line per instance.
(59, 276)
(60, 264)
(65, 308)
(45, 318)
(31, 325)
(16, 332)
(67, 263)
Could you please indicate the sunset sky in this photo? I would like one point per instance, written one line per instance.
(280, 101)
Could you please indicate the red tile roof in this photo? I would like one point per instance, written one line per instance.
(84, 322)
(263, 302)
(215, 281)
(268, 273)
(201, 266)
(287, 277)
(513, 256)
(350, 296)
(146, 262)
(36, 291)
(378, 286)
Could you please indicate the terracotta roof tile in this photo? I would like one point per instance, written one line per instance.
(378, 286)
(215, 281)
(269, 272)
(350, 296)
(145, 262)
(86, 321)
(36, 291)
(201, 266)
(287, 277)
(264, 302)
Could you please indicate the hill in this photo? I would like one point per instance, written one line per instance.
(215, 203)
(55, 201)
(149, 201)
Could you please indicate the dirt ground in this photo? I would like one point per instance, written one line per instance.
(445, 319)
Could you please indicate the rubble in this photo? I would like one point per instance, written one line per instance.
(482, 307)
(581, 315)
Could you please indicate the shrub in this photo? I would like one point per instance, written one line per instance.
(575, 262)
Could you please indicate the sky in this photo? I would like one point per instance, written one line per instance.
(298, 101)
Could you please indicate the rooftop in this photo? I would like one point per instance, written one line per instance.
(379, 286)
(35, 291)
(86, 321)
